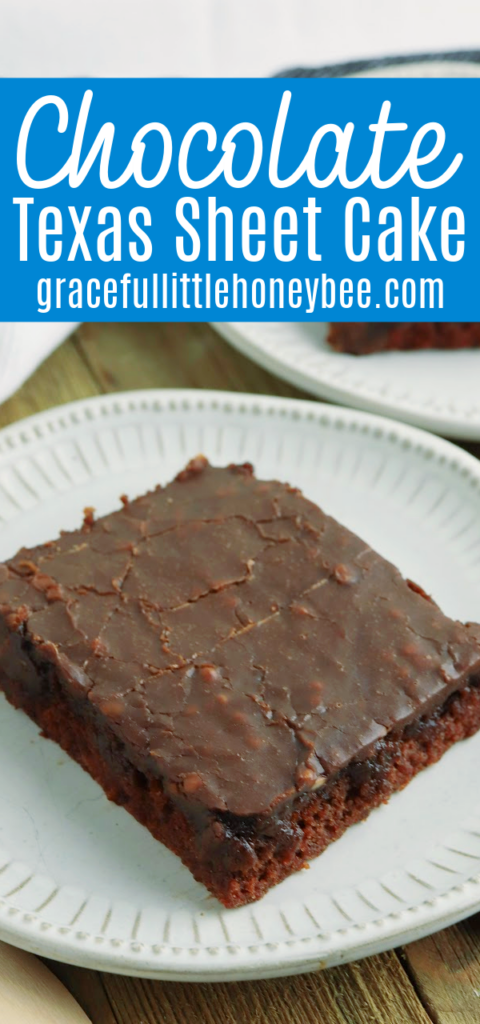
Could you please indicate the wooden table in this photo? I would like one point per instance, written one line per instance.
(437, 979)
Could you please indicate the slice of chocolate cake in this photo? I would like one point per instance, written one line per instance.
(242, 673)
(364, 339)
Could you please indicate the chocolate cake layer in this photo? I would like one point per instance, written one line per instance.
(365, 339)
(227, 661)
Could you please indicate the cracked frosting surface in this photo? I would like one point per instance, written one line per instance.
(245, 643)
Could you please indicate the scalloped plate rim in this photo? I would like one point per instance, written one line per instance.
(31, 931)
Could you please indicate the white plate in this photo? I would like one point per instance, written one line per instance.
(436, 390)
(432, 389)
(80, 880)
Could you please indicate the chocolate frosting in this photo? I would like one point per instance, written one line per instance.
(242, 641)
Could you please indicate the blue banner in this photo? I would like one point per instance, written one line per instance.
(166, 199)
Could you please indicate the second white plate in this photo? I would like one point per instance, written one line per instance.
(432, 389)
(436, 390)
(80, 880)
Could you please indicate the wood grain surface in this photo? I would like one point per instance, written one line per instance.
(434, 980)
